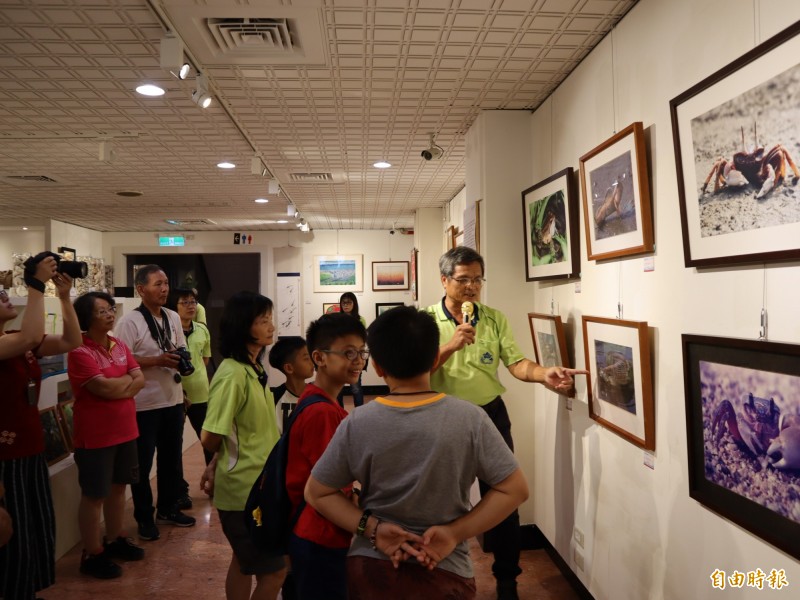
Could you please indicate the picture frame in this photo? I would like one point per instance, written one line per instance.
(330, 307)
(64, 391)
(65, 415)
(55, 446)
(620, 384)
(382, 307)
(339, 273)
(52, 365)
(550, 223)
(67, 253)
(413, 263)
(549, 341)
(450, 236)
(390, 275)
(615, 191)
(721, 377)
(714, 125)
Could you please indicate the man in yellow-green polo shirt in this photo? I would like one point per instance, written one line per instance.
(469, 357)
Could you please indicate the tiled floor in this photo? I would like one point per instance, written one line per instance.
(191, 562)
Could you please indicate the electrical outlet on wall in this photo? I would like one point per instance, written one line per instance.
(578, 535)
(578, 559)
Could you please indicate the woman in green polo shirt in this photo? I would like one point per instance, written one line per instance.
(241, 428)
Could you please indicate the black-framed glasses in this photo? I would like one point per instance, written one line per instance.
(465, 281)
(187, 302)
(350, 354)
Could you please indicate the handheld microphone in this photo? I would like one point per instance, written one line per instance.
(467, 309)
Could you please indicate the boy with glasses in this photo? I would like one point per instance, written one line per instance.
(317, 547)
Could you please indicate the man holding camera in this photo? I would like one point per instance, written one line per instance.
(155, 336)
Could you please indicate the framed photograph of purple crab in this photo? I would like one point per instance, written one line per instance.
(615, 192)
(550, 220)
(736, 136)
(743, 433)
(620, 384)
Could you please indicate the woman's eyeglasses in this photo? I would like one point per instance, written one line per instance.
(103, 312)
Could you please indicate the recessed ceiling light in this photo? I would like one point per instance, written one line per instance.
(129, 193)
(149, 89)
(382, 164)
(261, 200)
(24, 229)
(226, 165)
(282, 221)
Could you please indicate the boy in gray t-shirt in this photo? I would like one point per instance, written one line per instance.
(416, 454)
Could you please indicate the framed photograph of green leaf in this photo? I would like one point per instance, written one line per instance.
(550, 220)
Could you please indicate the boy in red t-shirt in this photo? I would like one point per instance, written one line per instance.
(317, 547)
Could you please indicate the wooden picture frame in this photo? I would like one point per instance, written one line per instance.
(55, 446)
(550, 223)
(620, 385)
(413, 268)
(330, 307)
(725, 217)
(382, 307)
(340, 273)
(723, 376)
(549, 341)
(615, 190)
(390, 275)
(65, 415)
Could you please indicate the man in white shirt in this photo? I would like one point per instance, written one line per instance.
(153, 333)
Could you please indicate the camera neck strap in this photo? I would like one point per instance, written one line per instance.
(162, 335)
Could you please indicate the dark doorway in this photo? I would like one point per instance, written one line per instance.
(216, 277)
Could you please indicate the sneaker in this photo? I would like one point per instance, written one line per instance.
(123, 548)
(99, 565)
(148, 531)
(175, 518)
(184, 502)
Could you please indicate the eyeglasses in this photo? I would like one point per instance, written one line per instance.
(350, 354)
(111, 310)
(188, 302)
(465, 281)
(343, 302)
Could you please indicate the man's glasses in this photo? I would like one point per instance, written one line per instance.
(465, 281)
(350, 354)
(103, 312)
(187, 302)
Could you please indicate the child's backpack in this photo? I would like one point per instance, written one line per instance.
(268, 512)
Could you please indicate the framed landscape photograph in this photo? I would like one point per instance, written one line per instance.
(620, 384)
(390, 275)
(615, 189)
(550, 221)
(743, 433)
(65, 410)
(736, 136)
(382, 307)
(343, 273)
(55, 446)
(330, 307)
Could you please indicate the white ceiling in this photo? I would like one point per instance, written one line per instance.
(369, 80)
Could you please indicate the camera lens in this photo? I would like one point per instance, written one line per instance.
(426, 154)
(74, 268)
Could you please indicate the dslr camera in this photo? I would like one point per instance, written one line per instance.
(74, 268)
(185, 367)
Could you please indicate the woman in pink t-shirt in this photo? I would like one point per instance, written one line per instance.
(104, 378)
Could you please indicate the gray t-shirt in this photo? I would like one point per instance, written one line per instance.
(416, 463)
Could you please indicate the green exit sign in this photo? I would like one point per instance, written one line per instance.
(172, 240)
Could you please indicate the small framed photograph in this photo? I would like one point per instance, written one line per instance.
(64, 391)
(735, 138)
(382, 307)
(343, 273)
(52, 365)
(550, 220)
(55, 446)
(620, 384)
(743, 433)
(549, 341)
(616, 196)
(330, 307)
(66, 411)
(390, 275)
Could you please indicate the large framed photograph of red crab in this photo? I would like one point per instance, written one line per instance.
(550, 220)
(620, 384)
(736, 136)
(743, 433)
(615, 191)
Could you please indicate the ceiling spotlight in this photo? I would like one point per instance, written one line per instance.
(434, 151)
(183, 73)
(261, 200)
(226, 165)
(255, 165)
(382, 164)
(304, 228)
(148, 89)
(201, 95)
(291, 210)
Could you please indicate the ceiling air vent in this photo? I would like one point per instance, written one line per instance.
(311, 178)
(184, 222)
(253, 35)
(28, 180)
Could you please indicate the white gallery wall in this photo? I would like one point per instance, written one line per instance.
(644, 537)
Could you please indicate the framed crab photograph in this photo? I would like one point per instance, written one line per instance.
(736, 136)
(743, 433)
(549, 341)
(620, 384)
(615, 191)
(550, 221)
